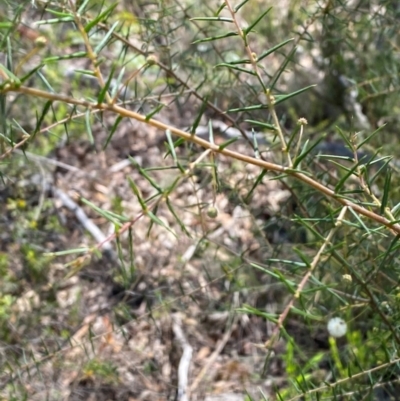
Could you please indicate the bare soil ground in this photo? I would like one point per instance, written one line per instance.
(96, 338)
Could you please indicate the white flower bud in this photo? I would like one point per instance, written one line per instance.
(337, 327)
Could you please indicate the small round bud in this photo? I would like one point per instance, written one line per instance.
(151, 60)
(302, 121)
(41, 42)
(212, 212)
(347, 277)
(337, 327)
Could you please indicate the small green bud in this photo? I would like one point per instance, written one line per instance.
(151, 60)
(212, 212)
(40, 42)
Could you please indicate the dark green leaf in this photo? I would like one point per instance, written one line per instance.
(282, 98)
(104, 90)
(211, 19)
(180, 222)
(273, 49)
(210, 39)
(104, 42)
(251, 26)
(288, 59)
(240, 5)
(136, 191)
(100, 18)
(112, 131)
(386, 191)
(155, 111)
(88, 123)
(227, 143)
(240, 69)
(267, 126)
(144, 174)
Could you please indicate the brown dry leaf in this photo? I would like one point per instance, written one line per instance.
(203, 353)
(233, 371)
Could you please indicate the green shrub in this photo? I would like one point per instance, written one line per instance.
(295, 213)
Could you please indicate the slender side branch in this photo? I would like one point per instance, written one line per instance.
(271, 106)
(253, 60)
(305, 279)
(90, 52)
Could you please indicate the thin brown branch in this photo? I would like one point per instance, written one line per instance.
(269, 344)
(299, 175)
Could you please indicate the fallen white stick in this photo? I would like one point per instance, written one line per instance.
(88, 224)
(184, 363)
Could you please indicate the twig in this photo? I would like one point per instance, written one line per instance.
(271, 101)
(304, 280)
(49, 161)
(88, 224)
(218, 350)
(184, 363)
(212, 359)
